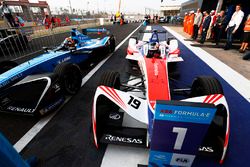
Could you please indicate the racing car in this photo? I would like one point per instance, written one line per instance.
(119, 116)
(41, 84)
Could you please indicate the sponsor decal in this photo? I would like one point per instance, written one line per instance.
(56, 87)
(206, 149)
(167, 111)
(182, 160)
(5, 101)
(129, 140)
(185, 113)
(53, 105)
(160, 157)
(63, 60)
(11, 80)
(156, 69)
(114, 116)
(20, 109)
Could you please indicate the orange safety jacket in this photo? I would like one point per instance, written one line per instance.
(191, 25)
(247, 25)
(185, 23)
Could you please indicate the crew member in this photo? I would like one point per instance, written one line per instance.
(6, 12)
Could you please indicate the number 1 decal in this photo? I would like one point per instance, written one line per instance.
(180, 137)
(134, 102)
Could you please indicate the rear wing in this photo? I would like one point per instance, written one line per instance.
(151, 31)
(85, 31)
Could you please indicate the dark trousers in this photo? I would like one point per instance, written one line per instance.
(218, 30)
(203, 35)
(10, 19)
(229, 36)
(195, 33)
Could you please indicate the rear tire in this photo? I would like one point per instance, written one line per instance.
(205, 85)
(7, 65)
(70, 77)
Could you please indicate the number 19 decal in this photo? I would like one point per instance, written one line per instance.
(134, 102)
(181, 133)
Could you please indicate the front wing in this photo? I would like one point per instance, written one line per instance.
(108, 126)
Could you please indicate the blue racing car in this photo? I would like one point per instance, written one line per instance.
(41, 84)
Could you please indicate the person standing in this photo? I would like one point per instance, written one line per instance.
(246, 36)
(185, 22)
(220, 25)
(47, 22)
(205, 26)
(197, 23)
(233, 25)
(6, 12)
(19, 20)
(191, 23)
(211, 25)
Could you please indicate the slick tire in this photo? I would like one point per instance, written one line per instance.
(205, 85)
(70, 77)
(7, 65)
(110, 79)
(112, 43)
(104, 106)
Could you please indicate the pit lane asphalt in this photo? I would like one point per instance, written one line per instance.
(66, 140)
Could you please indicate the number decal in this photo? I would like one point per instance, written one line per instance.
(181, 133)
(134, 102)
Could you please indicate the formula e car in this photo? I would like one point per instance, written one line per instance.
(154, 47)
(123, 113)
(41, 84)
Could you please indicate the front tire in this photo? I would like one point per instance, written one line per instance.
(205, 85)
(70, 77)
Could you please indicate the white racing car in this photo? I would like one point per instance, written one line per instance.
(120, 116)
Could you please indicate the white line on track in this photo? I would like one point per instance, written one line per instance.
(235, 79)
(24, 141)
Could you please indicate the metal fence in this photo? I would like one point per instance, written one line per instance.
(16, 43)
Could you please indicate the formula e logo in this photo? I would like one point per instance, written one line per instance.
(182, 160)
(206, 149)
(114, 116)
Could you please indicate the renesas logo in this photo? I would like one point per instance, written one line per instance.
(206, 149)
(182, 160)
(128, 140)
(20, 109)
